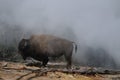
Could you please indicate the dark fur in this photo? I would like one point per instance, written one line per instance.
(40, 47)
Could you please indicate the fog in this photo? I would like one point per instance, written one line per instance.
(91, 23)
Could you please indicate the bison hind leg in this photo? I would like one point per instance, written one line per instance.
(69, 61)
(69, 64)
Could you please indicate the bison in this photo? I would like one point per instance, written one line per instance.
(41, 47)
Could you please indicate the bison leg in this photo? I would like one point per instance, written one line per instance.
(69, 64)
(69, 61)
(24, 57)
(45, 61)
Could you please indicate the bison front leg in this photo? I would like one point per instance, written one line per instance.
(45, 61)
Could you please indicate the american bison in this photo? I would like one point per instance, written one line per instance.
(41, 47)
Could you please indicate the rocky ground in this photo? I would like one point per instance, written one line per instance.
(54, 71)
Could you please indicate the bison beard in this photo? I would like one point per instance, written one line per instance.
(40, 47)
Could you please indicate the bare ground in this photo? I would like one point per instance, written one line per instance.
(54, 71)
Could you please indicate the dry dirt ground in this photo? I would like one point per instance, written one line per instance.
(18, 71)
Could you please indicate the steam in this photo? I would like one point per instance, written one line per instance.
(93, 23)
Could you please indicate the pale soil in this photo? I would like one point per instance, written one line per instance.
(18, 71)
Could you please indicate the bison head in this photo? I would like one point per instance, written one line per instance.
(24, 44)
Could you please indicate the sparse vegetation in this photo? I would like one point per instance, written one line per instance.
(9, 38)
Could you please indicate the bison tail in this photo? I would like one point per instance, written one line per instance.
(75, 46)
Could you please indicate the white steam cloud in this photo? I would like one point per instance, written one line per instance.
(94, 22)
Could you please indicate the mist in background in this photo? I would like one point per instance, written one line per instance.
(93, 24)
